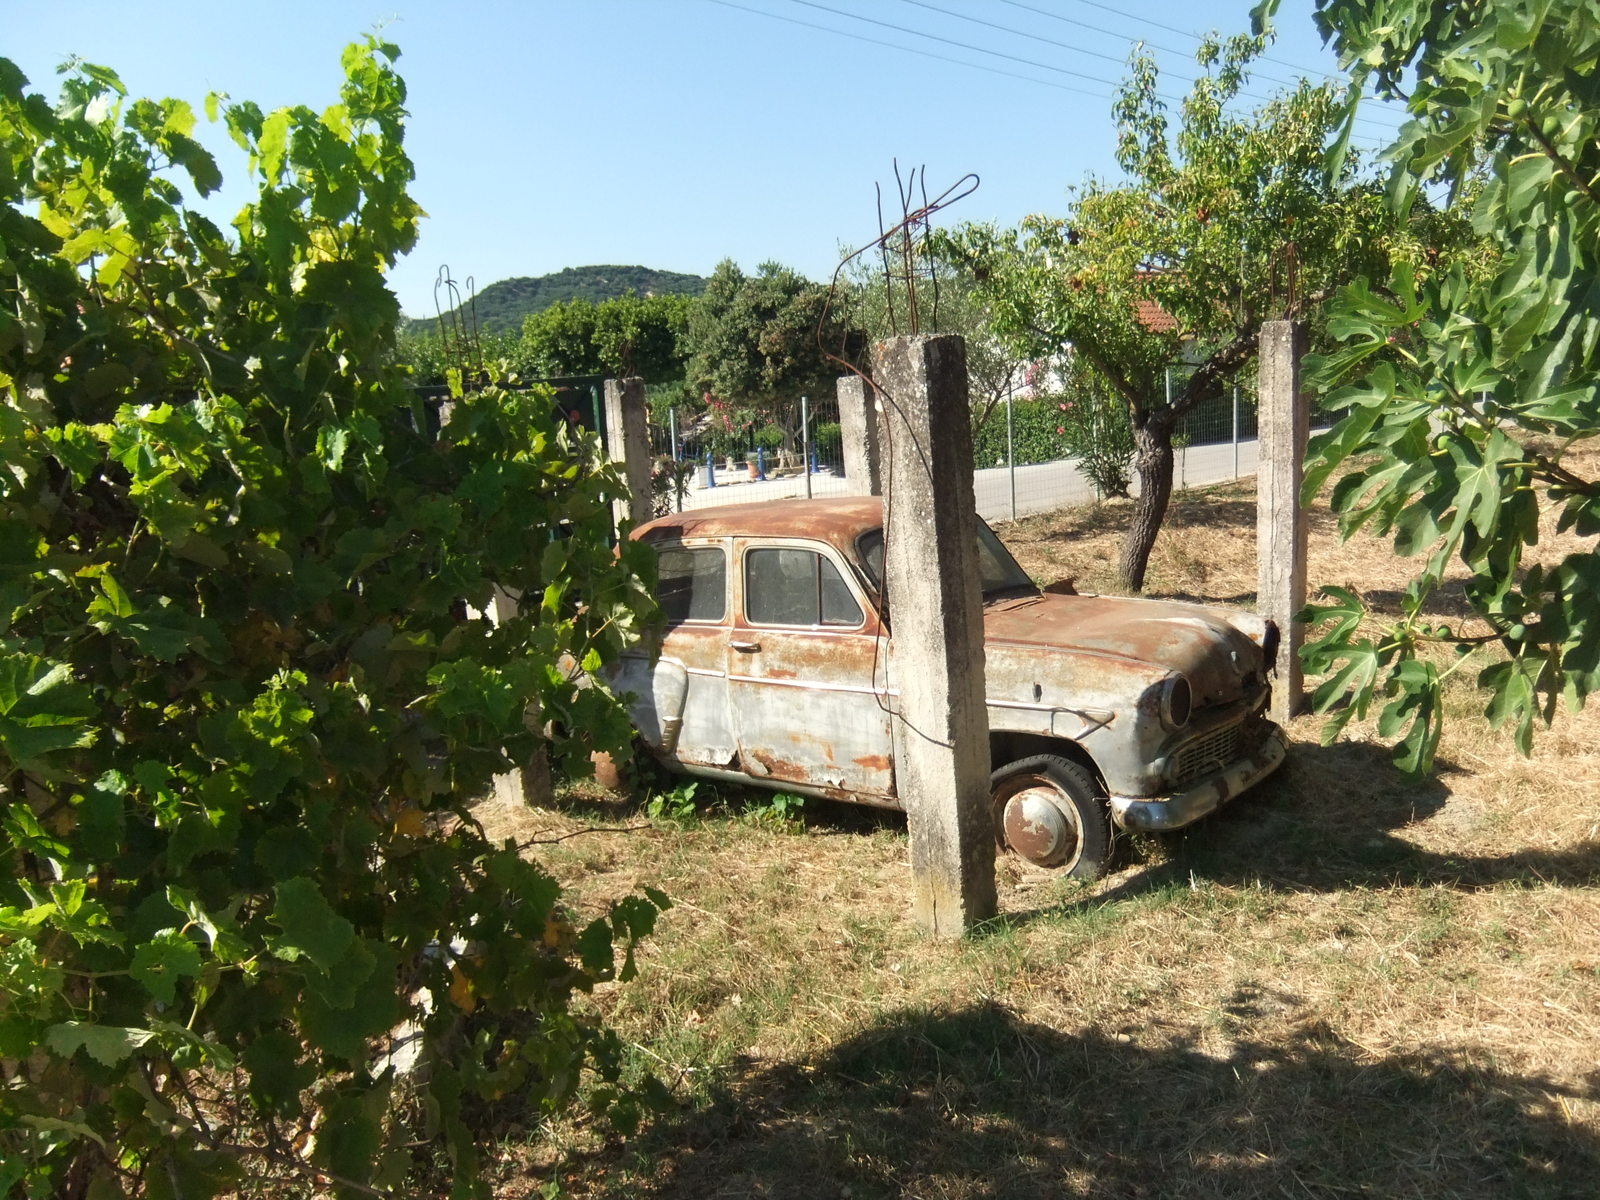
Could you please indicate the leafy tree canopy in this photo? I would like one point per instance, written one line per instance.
(1220, 223)
(631, 335)
(243, 705)
(758, 340)
(1465, 392)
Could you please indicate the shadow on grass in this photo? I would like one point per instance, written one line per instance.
(1327, 822)
(979, 1103)
(1447, 601)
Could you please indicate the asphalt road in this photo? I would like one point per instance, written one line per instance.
(1001, 493)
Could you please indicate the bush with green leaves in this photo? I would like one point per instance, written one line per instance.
(1086, 423)
(430, 357)
(245, 698)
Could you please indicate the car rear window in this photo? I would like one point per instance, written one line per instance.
(693, 583)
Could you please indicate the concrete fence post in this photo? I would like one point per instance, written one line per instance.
(531, 782)
(858, 430)
(936, 607)
(1011, 455)
(1236, 431)
(628, 443)
(1284, 422)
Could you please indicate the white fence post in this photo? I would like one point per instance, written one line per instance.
(1011, 457)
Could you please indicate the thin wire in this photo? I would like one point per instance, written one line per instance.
(933, 37)
(1167, 96)
(1117, 12)
(1060, 87)
(1023, 33)
(1045, 12)
(1255, 72)
(1119, 60)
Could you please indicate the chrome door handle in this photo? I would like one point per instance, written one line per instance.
(746, 647)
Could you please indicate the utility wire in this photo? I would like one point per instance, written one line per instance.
(1060, 87)
(1045, 12)
(1119, 60)
(1117, 12)
(1256, 73)
(1022, 33)
(933, 37)
(960, 45)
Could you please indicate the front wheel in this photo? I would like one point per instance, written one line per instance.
(1051, 813)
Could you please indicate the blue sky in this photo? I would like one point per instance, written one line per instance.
(674, 133)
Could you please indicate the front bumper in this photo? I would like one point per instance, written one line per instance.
(1162, 814)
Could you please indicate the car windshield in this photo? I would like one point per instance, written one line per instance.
(998, 572)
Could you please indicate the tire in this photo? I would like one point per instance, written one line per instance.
(1066, 806)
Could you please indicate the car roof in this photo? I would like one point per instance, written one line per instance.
(838, 520)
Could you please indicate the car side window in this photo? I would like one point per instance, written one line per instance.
(796, 587)
(693, 583)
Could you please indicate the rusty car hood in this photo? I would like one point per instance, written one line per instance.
(1220, 661)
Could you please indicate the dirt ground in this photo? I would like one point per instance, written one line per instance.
(1347, 982)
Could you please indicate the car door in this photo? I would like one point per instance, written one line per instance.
(806, 671)
(680, 704)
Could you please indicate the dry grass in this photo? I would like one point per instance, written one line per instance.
(1347, 982)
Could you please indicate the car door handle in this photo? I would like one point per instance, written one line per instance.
(746, 647)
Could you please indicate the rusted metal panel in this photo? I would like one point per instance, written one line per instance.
(808, 702)
(837, 521)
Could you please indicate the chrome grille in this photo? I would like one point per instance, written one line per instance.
(1206, 754)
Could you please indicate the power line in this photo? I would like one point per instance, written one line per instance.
(1045, 12)
(1112, 58)
(1259, 74)
(933, 37)
(952, 42)
(856, 37)
(1096, 53)
(1117, 12)
(1080, 49)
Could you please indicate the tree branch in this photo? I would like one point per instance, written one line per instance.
(1223, 365)
(1135, 402)
(580, 832)
(1565, 164)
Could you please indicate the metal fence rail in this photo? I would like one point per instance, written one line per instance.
(1014, 477)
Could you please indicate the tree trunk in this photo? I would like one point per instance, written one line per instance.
(1152, 459)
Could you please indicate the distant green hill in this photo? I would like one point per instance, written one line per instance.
(502, 306)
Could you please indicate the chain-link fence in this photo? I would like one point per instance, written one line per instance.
(694, 469)
(1023, 455)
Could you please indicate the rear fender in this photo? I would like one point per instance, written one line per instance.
(655, 694)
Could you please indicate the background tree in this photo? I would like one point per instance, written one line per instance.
(560, 340)
(242, 706)
(630, 335)
(753, 343)
(994, 369)
(1472, 389)
(1222, 223)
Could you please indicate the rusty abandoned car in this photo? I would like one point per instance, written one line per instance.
(774, 669)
